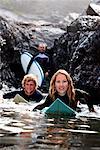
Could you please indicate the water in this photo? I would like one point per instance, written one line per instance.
(48, 10)
(21, 128)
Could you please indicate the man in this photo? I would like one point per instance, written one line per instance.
(43, 59)
(29, 91)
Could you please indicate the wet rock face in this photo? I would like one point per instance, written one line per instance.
(16, 38)
(80, 48)
(77, 50)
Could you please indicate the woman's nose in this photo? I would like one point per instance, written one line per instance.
(61, 83)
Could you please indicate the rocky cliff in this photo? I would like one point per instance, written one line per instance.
(75, 48)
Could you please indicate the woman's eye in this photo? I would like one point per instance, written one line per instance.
(65, 81)
(57, 81)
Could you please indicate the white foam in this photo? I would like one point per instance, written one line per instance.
(86, 113)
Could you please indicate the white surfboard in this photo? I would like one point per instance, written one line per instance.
(35, 68)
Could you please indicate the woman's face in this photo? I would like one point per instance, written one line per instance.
(29, 87)
(61, 84)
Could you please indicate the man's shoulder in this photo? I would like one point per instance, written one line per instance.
(38, 92)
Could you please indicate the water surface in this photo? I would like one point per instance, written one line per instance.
(49, 10)
(21, 128)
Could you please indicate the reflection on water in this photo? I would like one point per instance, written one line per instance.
(20, 128)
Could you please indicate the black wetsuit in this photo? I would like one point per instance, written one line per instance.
(49, 101)
(80, 95)
(43, 60)
(36, 96)
(84, 98)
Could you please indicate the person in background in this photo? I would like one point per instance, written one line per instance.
(29, 91)
(42, 58)
(61, 86)
(44, 61)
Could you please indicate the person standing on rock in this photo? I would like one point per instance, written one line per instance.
(44, 61)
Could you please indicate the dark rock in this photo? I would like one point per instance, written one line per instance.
(16, 38)
(93, 9)
(80, 49)
(77, 50)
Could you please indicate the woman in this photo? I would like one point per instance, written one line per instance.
(29, 91)
(61, 86)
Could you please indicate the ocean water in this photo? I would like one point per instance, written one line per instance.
(49, 10)
(24, 129)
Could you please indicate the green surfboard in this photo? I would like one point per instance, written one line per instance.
(59, 108)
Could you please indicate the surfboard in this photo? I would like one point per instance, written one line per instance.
(35, 68)
(19, 99)
(59, 108)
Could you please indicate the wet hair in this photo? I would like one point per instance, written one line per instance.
(29, 77)
(70, 91)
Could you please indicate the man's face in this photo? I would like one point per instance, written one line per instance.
(42, 48)
(29, 87)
